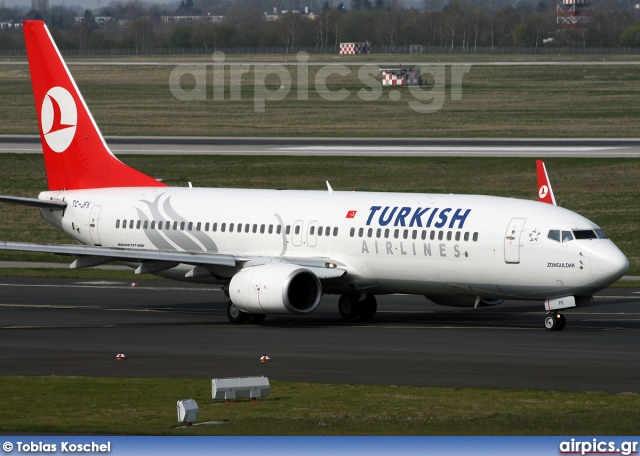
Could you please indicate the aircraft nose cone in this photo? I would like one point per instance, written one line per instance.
(608, 263)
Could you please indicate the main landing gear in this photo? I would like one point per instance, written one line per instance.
(350, 306)
(554, 321)
(237, 316)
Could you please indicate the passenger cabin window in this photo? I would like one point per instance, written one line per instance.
(118, 223)
(335, 231)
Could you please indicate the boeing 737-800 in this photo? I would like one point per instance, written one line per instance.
(277, 251)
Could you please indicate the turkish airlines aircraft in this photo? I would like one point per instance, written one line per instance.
(277, 252)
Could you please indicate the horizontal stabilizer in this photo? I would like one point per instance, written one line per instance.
(34, 202)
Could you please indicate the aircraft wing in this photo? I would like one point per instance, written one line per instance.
(158, 260)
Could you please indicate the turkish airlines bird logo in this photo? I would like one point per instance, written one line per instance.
(58, 118)
(543, 192)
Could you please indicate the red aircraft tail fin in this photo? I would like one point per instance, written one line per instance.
(75, 153)
(545, 194)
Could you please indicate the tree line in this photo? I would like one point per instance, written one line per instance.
(457, 25)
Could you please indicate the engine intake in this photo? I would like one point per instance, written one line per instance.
(276, 289)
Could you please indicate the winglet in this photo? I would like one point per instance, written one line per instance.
(545, 194)
(75, 153)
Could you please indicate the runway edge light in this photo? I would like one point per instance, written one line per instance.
(187, 411)
(265, 358)
(121, 356)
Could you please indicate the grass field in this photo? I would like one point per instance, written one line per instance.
(603, 190)
(148, 407)
(497, 101)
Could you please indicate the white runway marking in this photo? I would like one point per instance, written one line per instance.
(374, 149)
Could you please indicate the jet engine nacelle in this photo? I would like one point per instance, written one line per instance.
(463, 301)
(275, 289)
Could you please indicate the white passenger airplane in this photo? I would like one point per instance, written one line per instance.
(277, 252)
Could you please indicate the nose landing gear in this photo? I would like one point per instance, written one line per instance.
(554, 321)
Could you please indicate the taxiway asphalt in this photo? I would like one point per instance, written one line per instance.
(370, 147)
(168, 329)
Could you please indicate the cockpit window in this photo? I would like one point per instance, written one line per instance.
(600, 234)
(567, 236)
(584, 234)
(554, 235)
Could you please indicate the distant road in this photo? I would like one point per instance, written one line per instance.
(426, 60)
(400, 147)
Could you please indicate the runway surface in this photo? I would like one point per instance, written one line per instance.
(168, 329)
(418, 147)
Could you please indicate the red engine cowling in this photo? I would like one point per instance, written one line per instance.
(276, 289)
